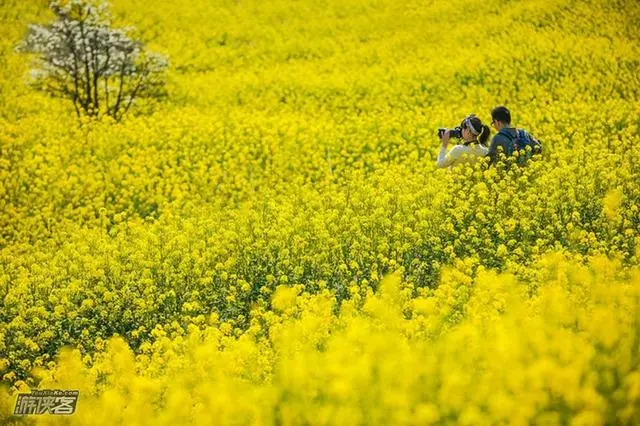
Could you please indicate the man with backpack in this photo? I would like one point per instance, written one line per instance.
(510, 139)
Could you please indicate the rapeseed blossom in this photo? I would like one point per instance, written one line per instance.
(273, 243)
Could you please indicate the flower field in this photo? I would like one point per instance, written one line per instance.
(273, 244)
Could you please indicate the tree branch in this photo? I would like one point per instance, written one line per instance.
(120, 88)
(85, 59)
(134, 92)
(69, 38)
(95, 68)
(106, 78)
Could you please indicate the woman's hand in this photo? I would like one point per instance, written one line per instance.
(445, 139)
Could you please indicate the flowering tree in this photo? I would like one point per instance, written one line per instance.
(99, 68)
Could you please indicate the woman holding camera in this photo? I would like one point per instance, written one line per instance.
(474, 135)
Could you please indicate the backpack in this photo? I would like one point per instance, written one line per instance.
(520, 142)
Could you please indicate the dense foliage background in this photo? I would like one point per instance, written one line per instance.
(234, 237)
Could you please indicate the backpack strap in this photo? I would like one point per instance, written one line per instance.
(521, 135)
(508, 134)
(513, 140)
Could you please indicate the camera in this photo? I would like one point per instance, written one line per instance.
(456, 132)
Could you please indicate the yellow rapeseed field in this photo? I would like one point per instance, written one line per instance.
(273, 243)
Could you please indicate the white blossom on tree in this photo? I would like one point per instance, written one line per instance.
(99, 68)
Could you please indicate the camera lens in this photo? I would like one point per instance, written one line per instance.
(456, 133)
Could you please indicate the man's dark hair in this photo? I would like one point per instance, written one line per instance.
(501, 113)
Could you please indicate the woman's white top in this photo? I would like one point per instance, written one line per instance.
(461, 154)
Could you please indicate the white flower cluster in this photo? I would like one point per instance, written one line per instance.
(80, 57)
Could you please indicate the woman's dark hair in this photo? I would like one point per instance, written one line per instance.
(483, 137)
(501, 113)
(484, 130)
